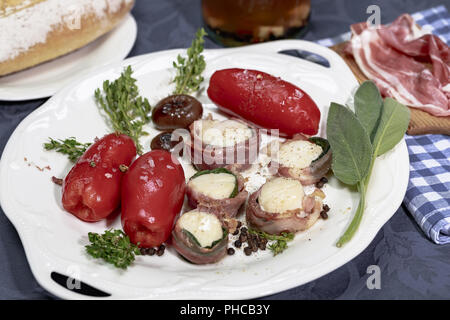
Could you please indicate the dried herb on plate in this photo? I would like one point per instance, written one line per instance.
(359, 137)
(279, 243)
(190, 68)
(128, 112)
(70, 147)
(113, 246)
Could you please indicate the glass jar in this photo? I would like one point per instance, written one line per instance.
(240, 22)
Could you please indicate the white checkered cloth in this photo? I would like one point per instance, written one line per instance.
(428, 193)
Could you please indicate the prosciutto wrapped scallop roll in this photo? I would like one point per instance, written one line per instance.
(304, 159)
(218, 191)
(217, 144)
(200, 237)
(281, 205)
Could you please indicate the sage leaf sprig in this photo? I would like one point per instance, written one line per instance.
(212, 245)
(70, 147)
(368, 106)
(350, 145)
(358, 138)
(128, 112)
(113, 246)
(190, 68)
(392, 126)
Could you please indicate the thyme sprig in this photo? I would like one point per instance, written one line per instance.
(70, 147)
(279, 243)
(113, 246)
(190, 68)
(126, 109)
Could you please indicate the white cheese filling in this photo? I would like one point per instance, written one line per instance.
(214, 185)
(281, 195)
(205, 227)
(298, 154)
(225, 133)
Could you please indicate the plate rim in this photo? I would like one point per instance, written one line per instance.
(128, 22)
(45, 281)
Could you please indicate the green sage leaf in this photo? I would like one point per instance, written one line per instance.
(197, 243)
(368, 106)
(191, 237)
(350, 144)
(392, 126)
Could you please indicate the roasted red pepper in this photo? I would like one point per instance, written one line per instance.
(91, 190)
(152, 195)
(264, 100)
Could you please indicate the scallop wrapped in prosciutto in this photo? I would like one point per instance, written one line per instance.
(305, 159)
(217, 144)
(200, 237)
(218, 191)
(281, 205)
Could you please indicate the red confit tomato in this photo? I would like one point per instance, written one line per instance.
(264, 100)
(91, 190)
(152, 195)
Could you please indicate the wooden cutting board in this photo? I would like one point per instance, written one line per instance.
(421, 122)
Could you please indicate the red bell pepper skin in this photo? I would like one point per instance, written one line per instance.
(152, 196)
(265, 101)
(91, 190)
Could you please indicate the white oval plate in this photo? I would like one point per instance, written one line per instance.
(54, 240)
(46, 79)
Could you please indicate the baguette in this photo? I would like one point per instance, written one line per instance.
(36, 31)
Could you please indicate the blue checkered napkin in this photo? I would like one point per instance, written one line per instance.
(436, 20)
(428, 193)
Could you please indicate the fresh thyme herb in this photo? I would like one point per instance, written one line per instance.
(190, 68)
(279, 243)
(70, 147)
(278, 247)
(127, 111)
(113, 246)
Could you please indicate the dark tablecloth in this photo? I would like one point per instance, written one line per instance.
(412, 267)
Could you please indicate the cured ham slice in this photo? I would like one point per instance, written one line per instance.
(306, 159)
(210, 149)
(223, 208)
(287, 209)
(199, 237)
(305, 165)
(395, 57)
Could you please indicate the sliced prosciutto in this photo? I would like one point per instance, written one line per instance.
(217, 191)
(217, 144)
(395, 57)
(281, 205)
(199, 237)
(306, 159)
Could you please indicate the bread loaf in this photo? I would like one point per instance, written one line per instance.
(35, 31)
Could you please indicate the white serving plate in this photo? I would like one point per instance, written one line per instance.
(54, 240)
(47, 78)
